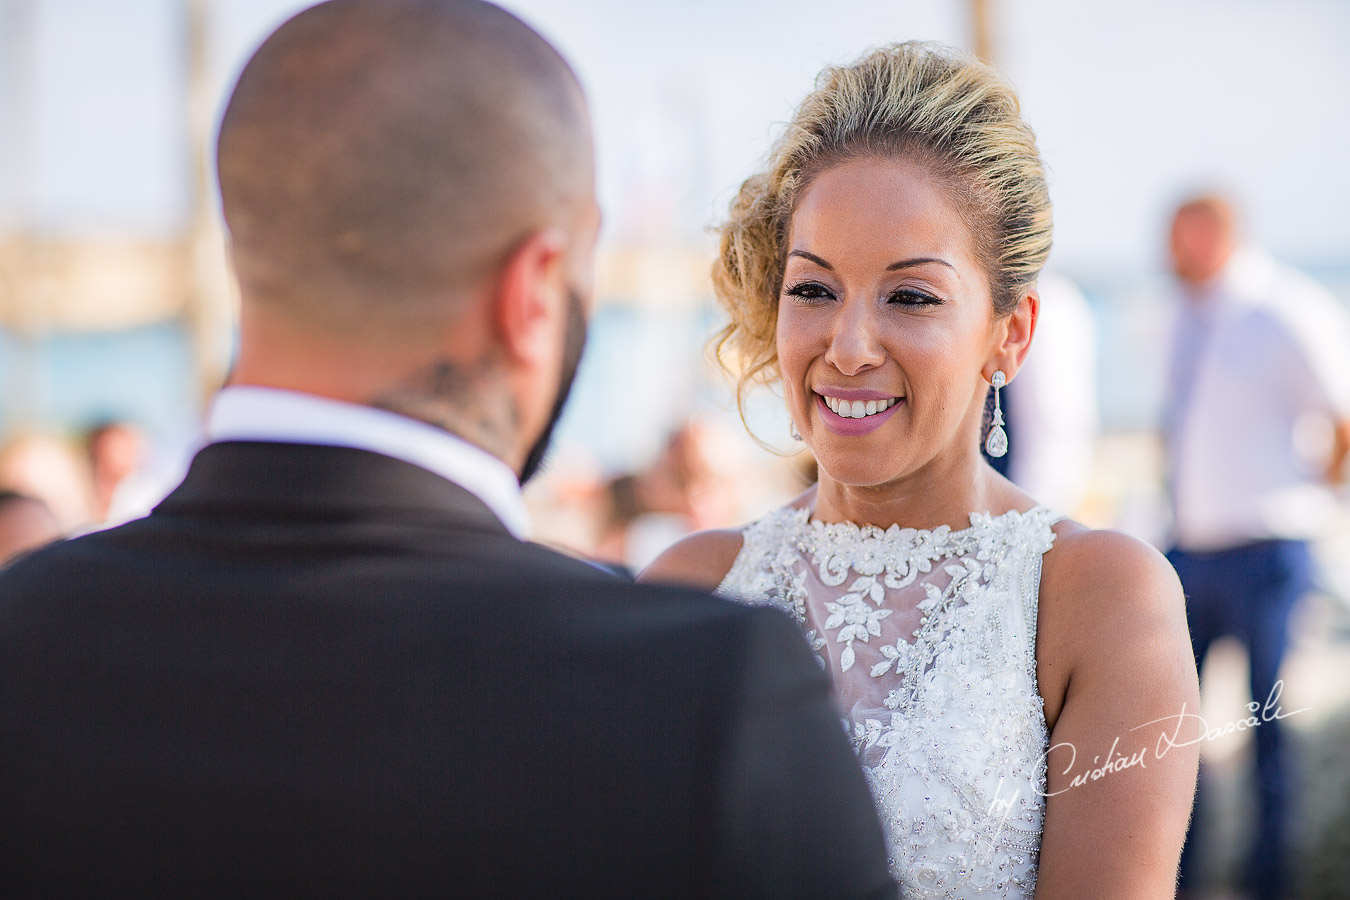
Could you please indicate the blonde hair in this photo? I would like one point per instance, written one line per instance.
(932, 104)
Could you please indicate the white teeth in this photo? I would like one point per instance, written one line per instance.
(858, 409)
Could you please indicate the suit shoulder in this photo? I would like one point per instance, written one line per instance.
(760, 648)
(688, 612)
(51, 559)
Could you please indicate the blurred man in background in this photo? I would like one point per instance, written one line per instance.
(1258, 428)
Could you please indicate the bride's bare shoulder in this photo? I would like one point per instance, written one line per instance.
(700, 560)
(1109, 561)
(703, 559)
(1111, 609)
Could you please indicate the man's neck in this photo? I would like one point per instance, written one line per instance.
(257, 413)
(448, 400)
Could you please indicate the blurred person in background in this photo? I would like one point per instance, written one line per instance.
(26, 523)
(1258, 429)
(328, 664)
(116, 451)
(128, 475)
(1051, 409)
(683, 490)
(882, 270)
(51, 469)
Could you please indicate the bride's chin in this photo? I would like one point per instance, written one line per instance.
(858, 473)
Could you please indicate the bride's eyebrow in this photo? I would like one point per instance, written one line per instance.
(918, 261)
(902, 264)
(806, 254)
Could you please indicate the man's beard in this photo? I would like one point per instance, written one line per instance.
(574, 341)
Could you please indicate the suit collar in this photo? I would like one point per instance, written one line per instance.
(251, 413)
(277, 479)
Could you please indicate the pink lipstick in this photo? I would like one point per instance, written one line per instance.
(855, 427)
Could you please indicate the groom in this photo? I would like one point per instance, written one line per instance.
(328, 664)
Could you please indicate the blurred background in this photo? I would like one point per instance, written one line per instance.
(116, 306)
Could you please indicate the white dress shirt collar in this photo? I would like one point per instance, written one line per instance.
(244, 413)
(1244, 280)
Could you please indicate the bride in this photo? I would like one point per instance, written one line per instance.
(1020, 689)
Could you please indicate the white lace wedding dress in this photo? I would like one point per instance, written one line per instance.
(930, 637)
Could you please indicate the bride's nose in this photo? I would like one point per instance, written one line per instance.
(855, 344)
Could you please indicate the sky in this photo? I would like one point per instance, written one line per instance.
(1133, 103)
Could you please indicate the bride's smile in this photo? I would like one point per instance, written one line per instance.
(857, 409)
(853, 412)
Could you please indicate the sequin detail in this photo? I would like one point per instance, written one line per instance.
(930, 637)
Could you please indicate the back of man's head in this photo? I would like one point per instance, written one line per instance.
(379, 158)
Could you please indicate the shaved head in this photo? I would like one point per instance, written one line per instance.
(379, 158)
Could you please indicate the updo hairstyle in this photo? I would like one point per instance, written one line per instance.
(924, 102)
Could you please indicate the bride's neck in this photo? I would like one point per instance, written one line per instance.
(918, 501)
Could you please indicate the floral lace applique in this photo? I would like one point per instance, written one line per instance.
(930, 638)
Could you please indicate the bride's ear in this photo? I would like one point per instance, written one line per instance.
(1013, 334)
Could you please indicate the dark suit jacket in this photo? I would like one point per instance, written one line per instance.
(317, 671)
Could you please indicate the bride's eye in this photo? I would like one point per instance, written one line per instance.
(808, 292)
(911, 297)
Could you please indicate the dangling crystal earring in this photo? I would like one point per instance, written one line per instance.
(792, 430)
(997, 443)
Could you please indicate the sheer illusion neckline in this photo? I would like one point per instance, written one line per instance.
(895, 554)
(847, 528)
(864, 571)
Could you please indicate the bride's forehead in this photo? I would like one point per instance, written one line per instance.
(891, 206)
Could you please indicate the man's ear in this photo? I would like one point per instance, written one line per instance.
(1013, 335)
(530, 297)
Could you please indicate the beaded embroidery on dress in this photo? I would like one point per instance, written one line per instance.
(930, 638)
